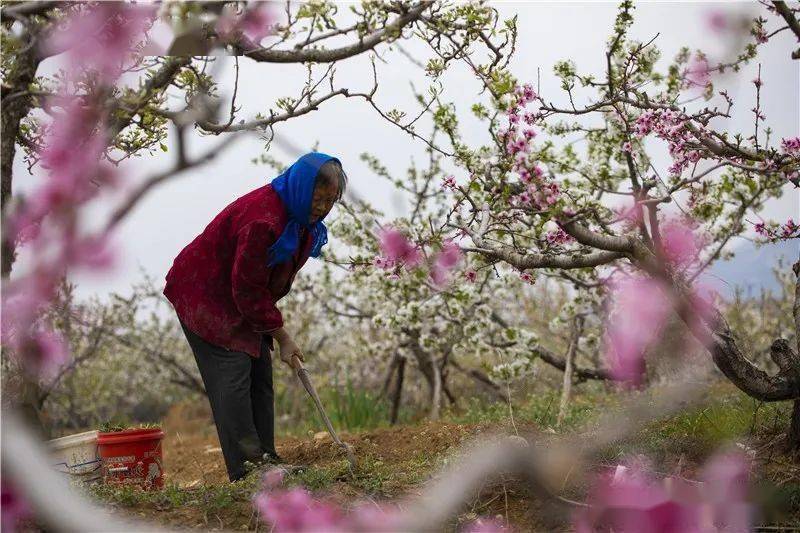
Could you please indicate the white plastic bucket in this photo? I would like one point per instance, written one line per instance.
(76, 456)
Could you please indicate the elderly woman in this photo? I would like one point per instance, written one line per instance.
(224, 287)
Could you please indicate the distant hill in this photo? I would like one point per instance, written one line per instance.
(751, 267)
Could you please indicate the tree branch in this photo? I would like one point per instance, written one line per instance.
(389, 32)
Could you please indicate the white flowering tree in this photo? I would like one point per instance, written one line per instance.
(573, 191)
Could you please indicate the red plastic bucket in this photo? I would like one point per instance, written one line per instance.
(132, 457)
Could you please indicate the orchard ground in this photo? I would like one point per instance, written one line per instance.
(397, 461)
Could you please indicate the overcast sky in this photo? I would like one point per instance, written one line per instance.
(172, 215)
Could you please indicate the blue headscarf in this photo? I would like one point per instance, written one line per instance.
(296, 188)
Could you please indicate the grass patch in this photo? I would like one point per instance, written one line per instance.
(540, 409)
(350, 408)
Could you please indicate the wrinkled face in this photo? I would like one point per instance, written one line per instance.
(325, 194)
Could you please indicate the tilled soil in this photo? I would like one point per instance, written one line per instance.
(193, 461)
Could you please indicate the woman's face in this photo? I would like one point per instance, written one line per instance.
(325, 194)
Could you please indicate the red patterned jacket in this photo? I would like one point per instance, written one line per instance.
(220, 284)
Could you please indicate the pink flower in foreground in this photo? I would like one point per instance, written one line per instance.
(680, 245)
(254, 23)
(396, 247)
(725, 491)
(641, 307)
(717, 21)
(13, 507)
(634, 499)
(698, 74)
(101, 36)
(635, 502)
(445, 262)
(46, 352)
(296, 510)
(449, 182)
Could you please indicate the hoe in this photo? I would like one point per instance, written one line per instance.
(302, 373)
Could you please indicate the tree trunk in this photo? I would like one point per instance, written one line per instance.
(14, 109)
(398, 390)
(793, 437)
(436, 391)
(566, 390)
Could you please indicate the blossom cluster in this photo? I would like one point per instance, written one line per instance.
(671, 126)
(538, 192)
(791, 145)
(776, 232)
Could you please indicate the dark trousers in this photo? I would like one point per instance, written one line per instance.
(239, 388)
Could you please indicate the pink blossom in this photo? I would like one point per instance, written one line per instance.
(698, 73)
(558, 236)
(296, 510)
(471, 276)
(445, 262)
(92, 252)
(13, 507)
(101, 36)
(725, 491)
(449, 256)
(397, 248)
(449, 182)
(42, 352)
(23, 298)
(272, 478)
(641, 307)
(717, 21)
(524, 198)
(790, 145)
(626, 146)
(526, 94)
(679, 243)
(528, 134)
(635, 501)
(254, 23)
(526, 277)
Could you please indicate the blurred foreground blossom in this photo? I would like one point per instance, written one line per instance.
(101, 37)
(643, 305)
(254, 23)
(97, 40)
(398, 249)
(635, 500)
(296, 510)
(13, 507)
(445, 262)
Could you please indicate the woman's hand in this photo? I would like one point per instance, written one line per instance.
(289, 348)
